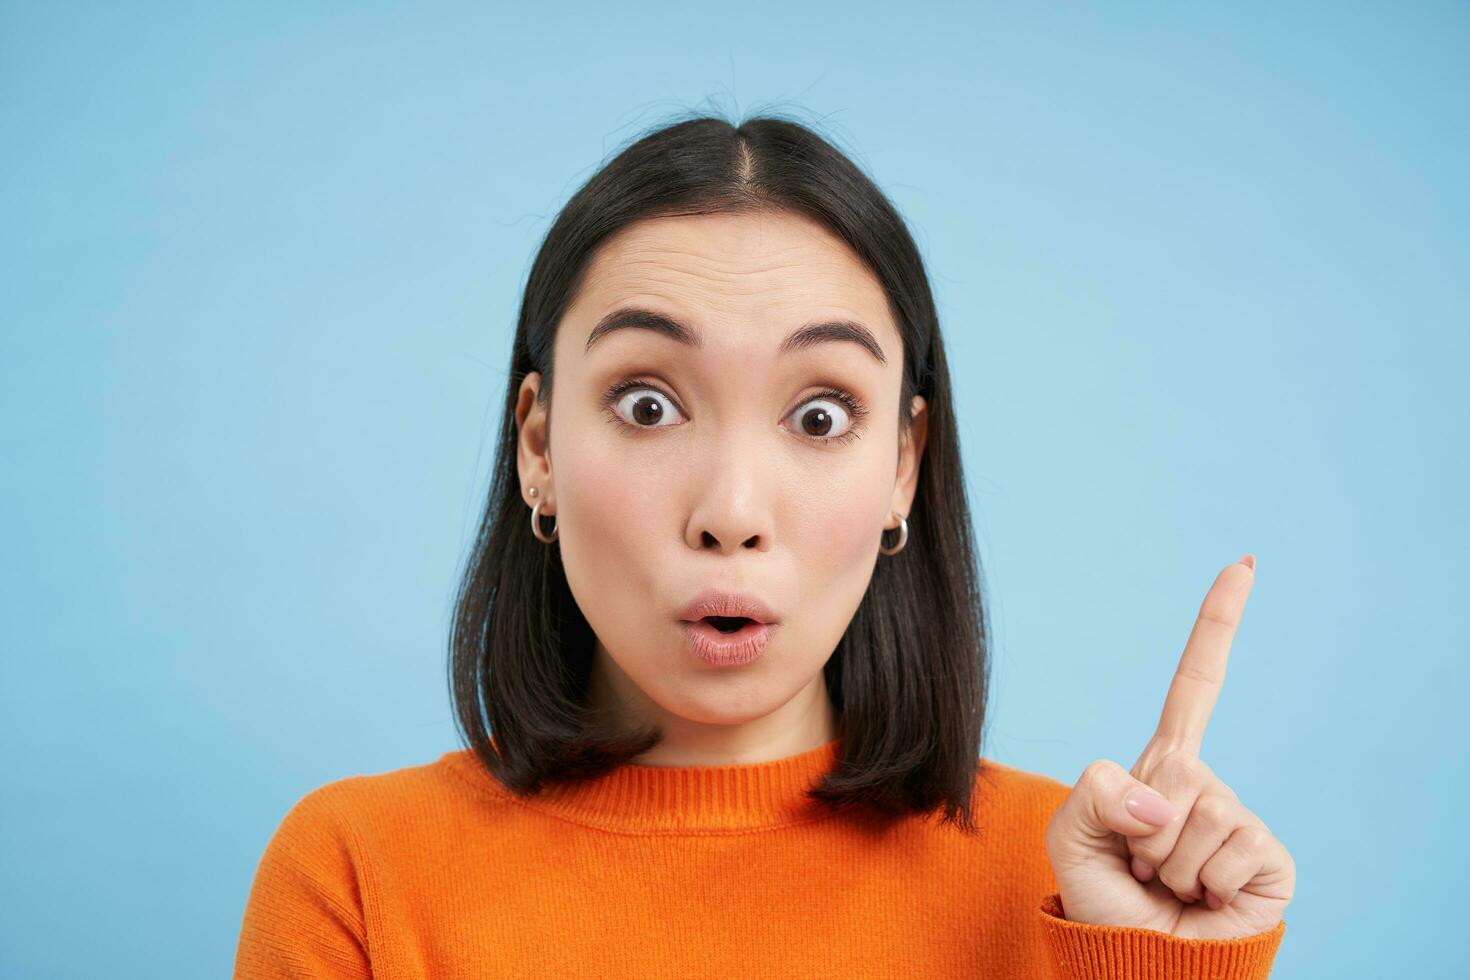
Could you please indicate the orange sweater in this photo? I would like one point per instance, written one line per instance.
(703, 871)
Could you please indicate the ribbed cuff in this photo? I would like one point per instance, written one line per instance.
(1086, 951)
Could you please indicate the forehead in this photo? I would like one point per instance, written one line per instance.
(764, 272)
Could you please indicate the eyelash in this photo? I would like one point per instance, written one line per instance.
(855, 409)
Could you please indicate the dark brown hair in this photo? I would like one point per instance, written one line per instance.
(908, 679)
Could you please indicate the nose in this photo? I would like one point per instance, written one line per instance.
(733, 496)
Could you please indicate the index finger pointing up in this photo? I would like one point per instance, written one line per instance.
(1201, 670)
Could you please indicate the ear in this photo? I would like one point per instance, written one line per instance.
(533, 445)
(910, 454)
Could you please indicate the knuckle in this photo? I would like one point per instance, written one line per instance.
(1219, 881)
(1177, 879)
(1215, 810)
(1178, 766)
(1253, 837)
(1211, 614)
(1099, 770)
(1184, 769)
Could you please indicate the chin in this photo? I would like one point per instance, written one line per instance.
(721, 702)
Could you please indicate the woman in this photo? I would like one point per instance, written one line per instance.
(723, 711)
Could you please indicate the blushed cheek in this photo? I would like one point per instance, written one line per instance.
(611, 505)
(604, 489)
(835, 550)
(843, 532)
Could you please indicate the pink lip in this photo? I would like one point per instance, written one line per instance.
(715, 602)
(727, 649)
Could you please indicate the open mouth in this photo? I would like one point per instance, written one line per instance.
(727, 624)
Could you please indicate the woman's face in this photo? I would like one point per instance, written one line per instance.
(727, 462)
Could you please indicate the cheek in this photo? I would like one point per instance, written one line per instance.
(608, 511)
(834, 545)
(606, 487)
(841, 521)
(603, 492)
(841, 537)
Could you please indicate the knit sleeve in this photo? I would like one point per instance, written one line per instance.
(304, 915)
(1087, 951)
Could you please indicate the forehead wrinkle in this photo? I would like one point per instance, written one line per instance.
(657, 264)
(736, 240)
(702, 287)
(678, 283)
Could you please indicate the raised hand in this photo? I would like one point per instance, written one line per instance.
(1167, 845)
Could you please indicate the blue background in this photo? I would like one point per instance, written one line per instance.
(1203, 275)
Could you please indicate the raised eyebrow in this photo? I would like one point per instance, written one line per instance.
(810, 335)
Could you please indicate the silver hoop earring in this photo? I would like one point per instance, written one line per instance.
(903, 536)
(536, 524)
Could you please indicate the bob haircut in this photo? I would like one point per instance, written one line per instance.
(908, 679)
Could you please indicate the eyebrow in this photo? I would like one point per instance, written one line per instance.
(817, 332)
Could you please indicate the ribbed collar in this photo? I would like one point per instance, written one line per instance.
(683, 799)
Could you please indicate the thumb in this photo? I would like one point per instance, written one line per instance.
(1107, 800)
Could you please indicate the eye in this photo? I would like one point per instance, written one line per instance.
(640, 404)
(831, 416)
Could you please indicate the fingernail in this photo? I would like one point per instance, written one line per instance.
(1150, 807)
(1249, 561)
(1212, 901)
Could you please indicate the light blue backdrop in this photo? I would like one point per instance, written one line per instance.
(1203, 274)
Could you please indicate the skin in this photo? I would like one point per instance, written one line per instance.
(1203, 866)
(729, 488)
